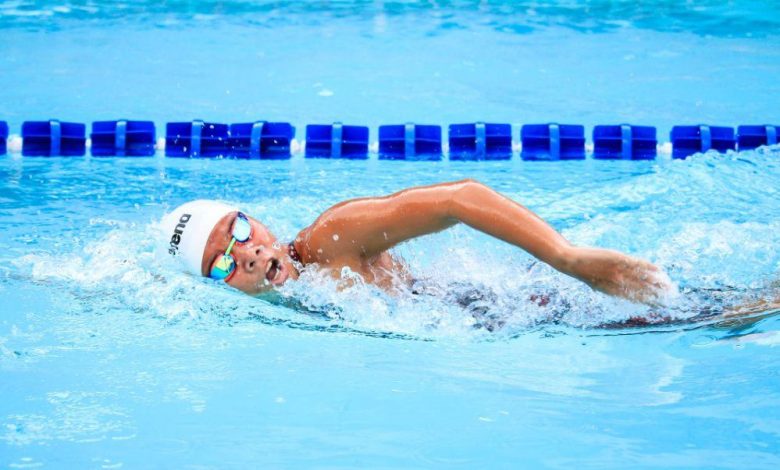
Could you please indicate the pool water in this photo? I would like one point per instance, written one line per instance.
(110, 358)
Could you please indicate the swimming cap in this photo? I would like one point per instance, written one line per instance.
(187, 230)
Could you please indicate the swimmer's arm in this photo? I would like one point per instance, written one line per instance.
(608, 271)
(369, 226)
(374, 225)
(366, 227)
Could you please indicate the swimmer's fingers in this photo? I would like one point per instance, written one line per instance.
(622, 276)
(651, 286)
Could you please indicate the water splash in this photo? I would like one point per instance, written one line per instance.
(710, 222)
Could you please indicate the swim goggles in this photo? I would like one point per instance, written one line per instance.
(225, 266)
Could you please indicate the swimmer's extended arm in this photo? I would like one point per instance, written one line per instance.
(366, 227)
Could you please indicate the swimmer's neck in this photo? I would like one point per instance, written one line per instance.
(292, 252)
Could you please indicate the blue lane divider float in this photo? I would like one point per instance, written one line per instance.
(336, 141)
(123, 138)
(3, 137)
(196, 139)
(473, 141)
(624, 142)
(261, 140)
(410, 142)
(480, 141)
(552, 142)
(53, 138)
(751, 137)
(687, 140)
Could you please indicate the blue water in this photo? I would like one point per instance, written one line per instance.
(111, 359)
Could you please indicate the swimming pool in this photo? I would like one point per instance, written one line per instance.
(109, 358)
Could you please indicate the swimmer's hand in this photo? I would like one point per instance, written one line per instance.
(620, 275)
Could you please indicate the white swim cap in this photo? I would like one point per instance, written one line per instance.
(187, 230)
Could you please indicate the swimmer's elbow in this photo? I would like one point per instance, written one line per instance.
(463, 193)
(469, 183)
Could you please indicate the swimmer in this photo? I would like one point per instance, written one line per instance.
(212, 239)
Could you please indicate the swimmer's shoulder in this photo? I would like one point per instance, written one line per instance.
(329, 239)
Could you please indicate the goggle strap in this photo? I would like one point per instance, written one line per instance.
(230, 247)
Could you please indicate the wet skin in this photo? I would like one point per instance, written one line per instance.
(358, 234)
(262, 262)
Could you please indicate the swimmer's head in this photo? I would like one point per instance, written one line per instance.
(199, 232)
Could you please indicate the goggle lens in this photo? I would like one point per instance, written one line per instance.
(225, 265)
(242, 229)
(223, 268)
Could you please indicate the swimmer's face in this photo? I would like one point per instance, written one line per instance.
(261, 262)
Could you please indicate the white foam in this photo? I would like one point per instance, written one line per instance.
(119, 271)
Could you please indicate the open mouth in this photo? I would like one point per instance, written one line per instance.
(272, 269)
